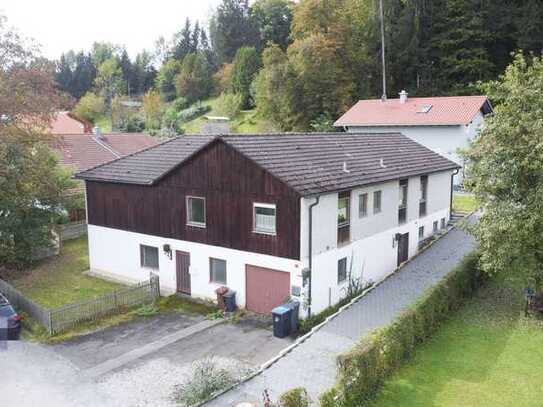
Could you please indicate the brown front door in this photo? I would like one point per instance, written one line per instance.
(403, 248)
(182, 268)
(265, 288)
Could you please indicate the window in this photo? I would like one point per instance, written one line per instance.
(196, 211)
(435, 226)
(402, 205)
(376, 202)
(343, 210)
(442, 223)
(423, 195)
(264, 218)
(149, 257)
(363, 205)
(217, 270)
(421, 232)
(342, 270)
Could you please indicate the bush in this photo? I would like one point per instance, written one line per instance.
(90, 107)
(363, 370)
(229, 104)
(296, 397)
(180, 103)
(192, 112)
(207, 379)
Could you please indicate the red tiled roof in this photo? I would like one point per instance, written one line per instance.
(444, 111)
(67, 123)
(84, 151)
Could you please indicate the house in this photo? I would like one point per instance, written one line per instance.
(68, 123)
(443, 124)
(269, 216)
(82, 151)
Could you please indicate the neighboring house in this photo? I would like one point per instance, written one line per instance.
(79, 152)
(443, 124)
(68, 123)
(246, 212)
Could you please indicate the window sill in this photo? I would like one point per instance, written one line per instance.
(197, 225)
(260, 232)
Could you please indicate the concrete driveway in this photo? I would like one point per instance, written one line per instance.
(56, 375)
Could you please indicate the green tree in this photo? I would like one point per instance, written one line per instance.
(273, 19)
(32, 185)
(90, 107)
(245, 67)
(109, 80)
(153, 109)
(232, 27)
(194, 81)
(165, 80)
(506, 174)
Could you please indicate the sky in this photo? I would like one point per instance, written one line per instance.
(61, 25)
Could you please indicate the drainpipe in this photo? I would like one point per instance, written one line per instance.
(311, 252)
(452, 190)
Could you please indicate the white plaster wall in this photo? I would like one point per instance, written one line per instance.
(445, 140)
(371, 250)
(116, 253)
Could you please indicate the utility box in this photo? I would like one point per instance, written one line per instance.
(281, 321)
(230, 301)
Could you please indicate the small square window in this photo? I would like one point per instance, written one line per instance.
(442, 223)
(421, 232)
(342, 270)
(149, 257)
(363, 205)
(376, 202)
(196, 211)
(217, 270)
(264, 218)
(435, 226)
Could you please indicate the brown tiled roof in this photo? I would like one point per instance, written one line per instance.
(68, 123)
(309, 163)
(84, 151)
(444, 111)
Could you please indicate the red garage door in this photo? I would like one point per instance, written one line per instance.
(265, 288)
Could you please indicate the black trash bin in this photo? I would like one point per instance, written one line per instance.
(230, 301)
(281, 321)
(294, 315)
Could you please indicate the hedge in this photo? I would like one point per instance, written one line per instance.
(364, 369)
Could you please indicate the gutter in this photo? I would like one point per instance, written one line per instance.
(452, 191)
(310, 271)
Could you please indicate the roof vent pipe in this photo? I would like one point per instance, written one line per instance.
(403, 96)
(97, 132)
(345, 167)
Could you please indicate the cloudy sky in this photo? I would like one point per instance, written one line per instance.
(60, 25)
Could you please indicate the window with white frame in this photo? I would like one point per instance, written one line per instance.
(442, 223)
(376, 202)
(196, 211)
(421, 232)
(217, 270)
(435, 226)
(264, 218)
(149, 257)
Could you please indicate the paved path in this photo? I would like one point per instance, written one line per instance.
(313, 363)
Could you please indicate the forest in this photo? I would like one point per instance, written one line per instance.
(298, 65)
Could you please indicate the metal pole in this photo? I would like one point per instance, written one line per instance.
(384, 96)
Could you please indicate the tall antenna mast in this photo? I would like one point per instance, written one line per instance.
(384, 96)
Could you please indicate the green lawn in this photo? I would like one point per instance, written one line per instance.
(245, 122)
(464, 203)
(487, 355)
(61, 280)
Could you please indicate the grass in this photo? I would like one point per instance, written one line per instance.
(247, 121)
(487, 355)
(61, 280)
(464, 203)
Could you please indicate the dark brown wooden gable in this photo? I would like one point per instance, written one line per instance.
(230, 182)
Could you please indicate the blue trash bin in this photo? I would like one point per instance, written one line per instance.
(294, 315)
(281, 321)
(230, 301)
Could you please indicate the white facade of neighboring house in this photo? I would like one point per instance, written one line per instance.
(264, 276)
(448, 127)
